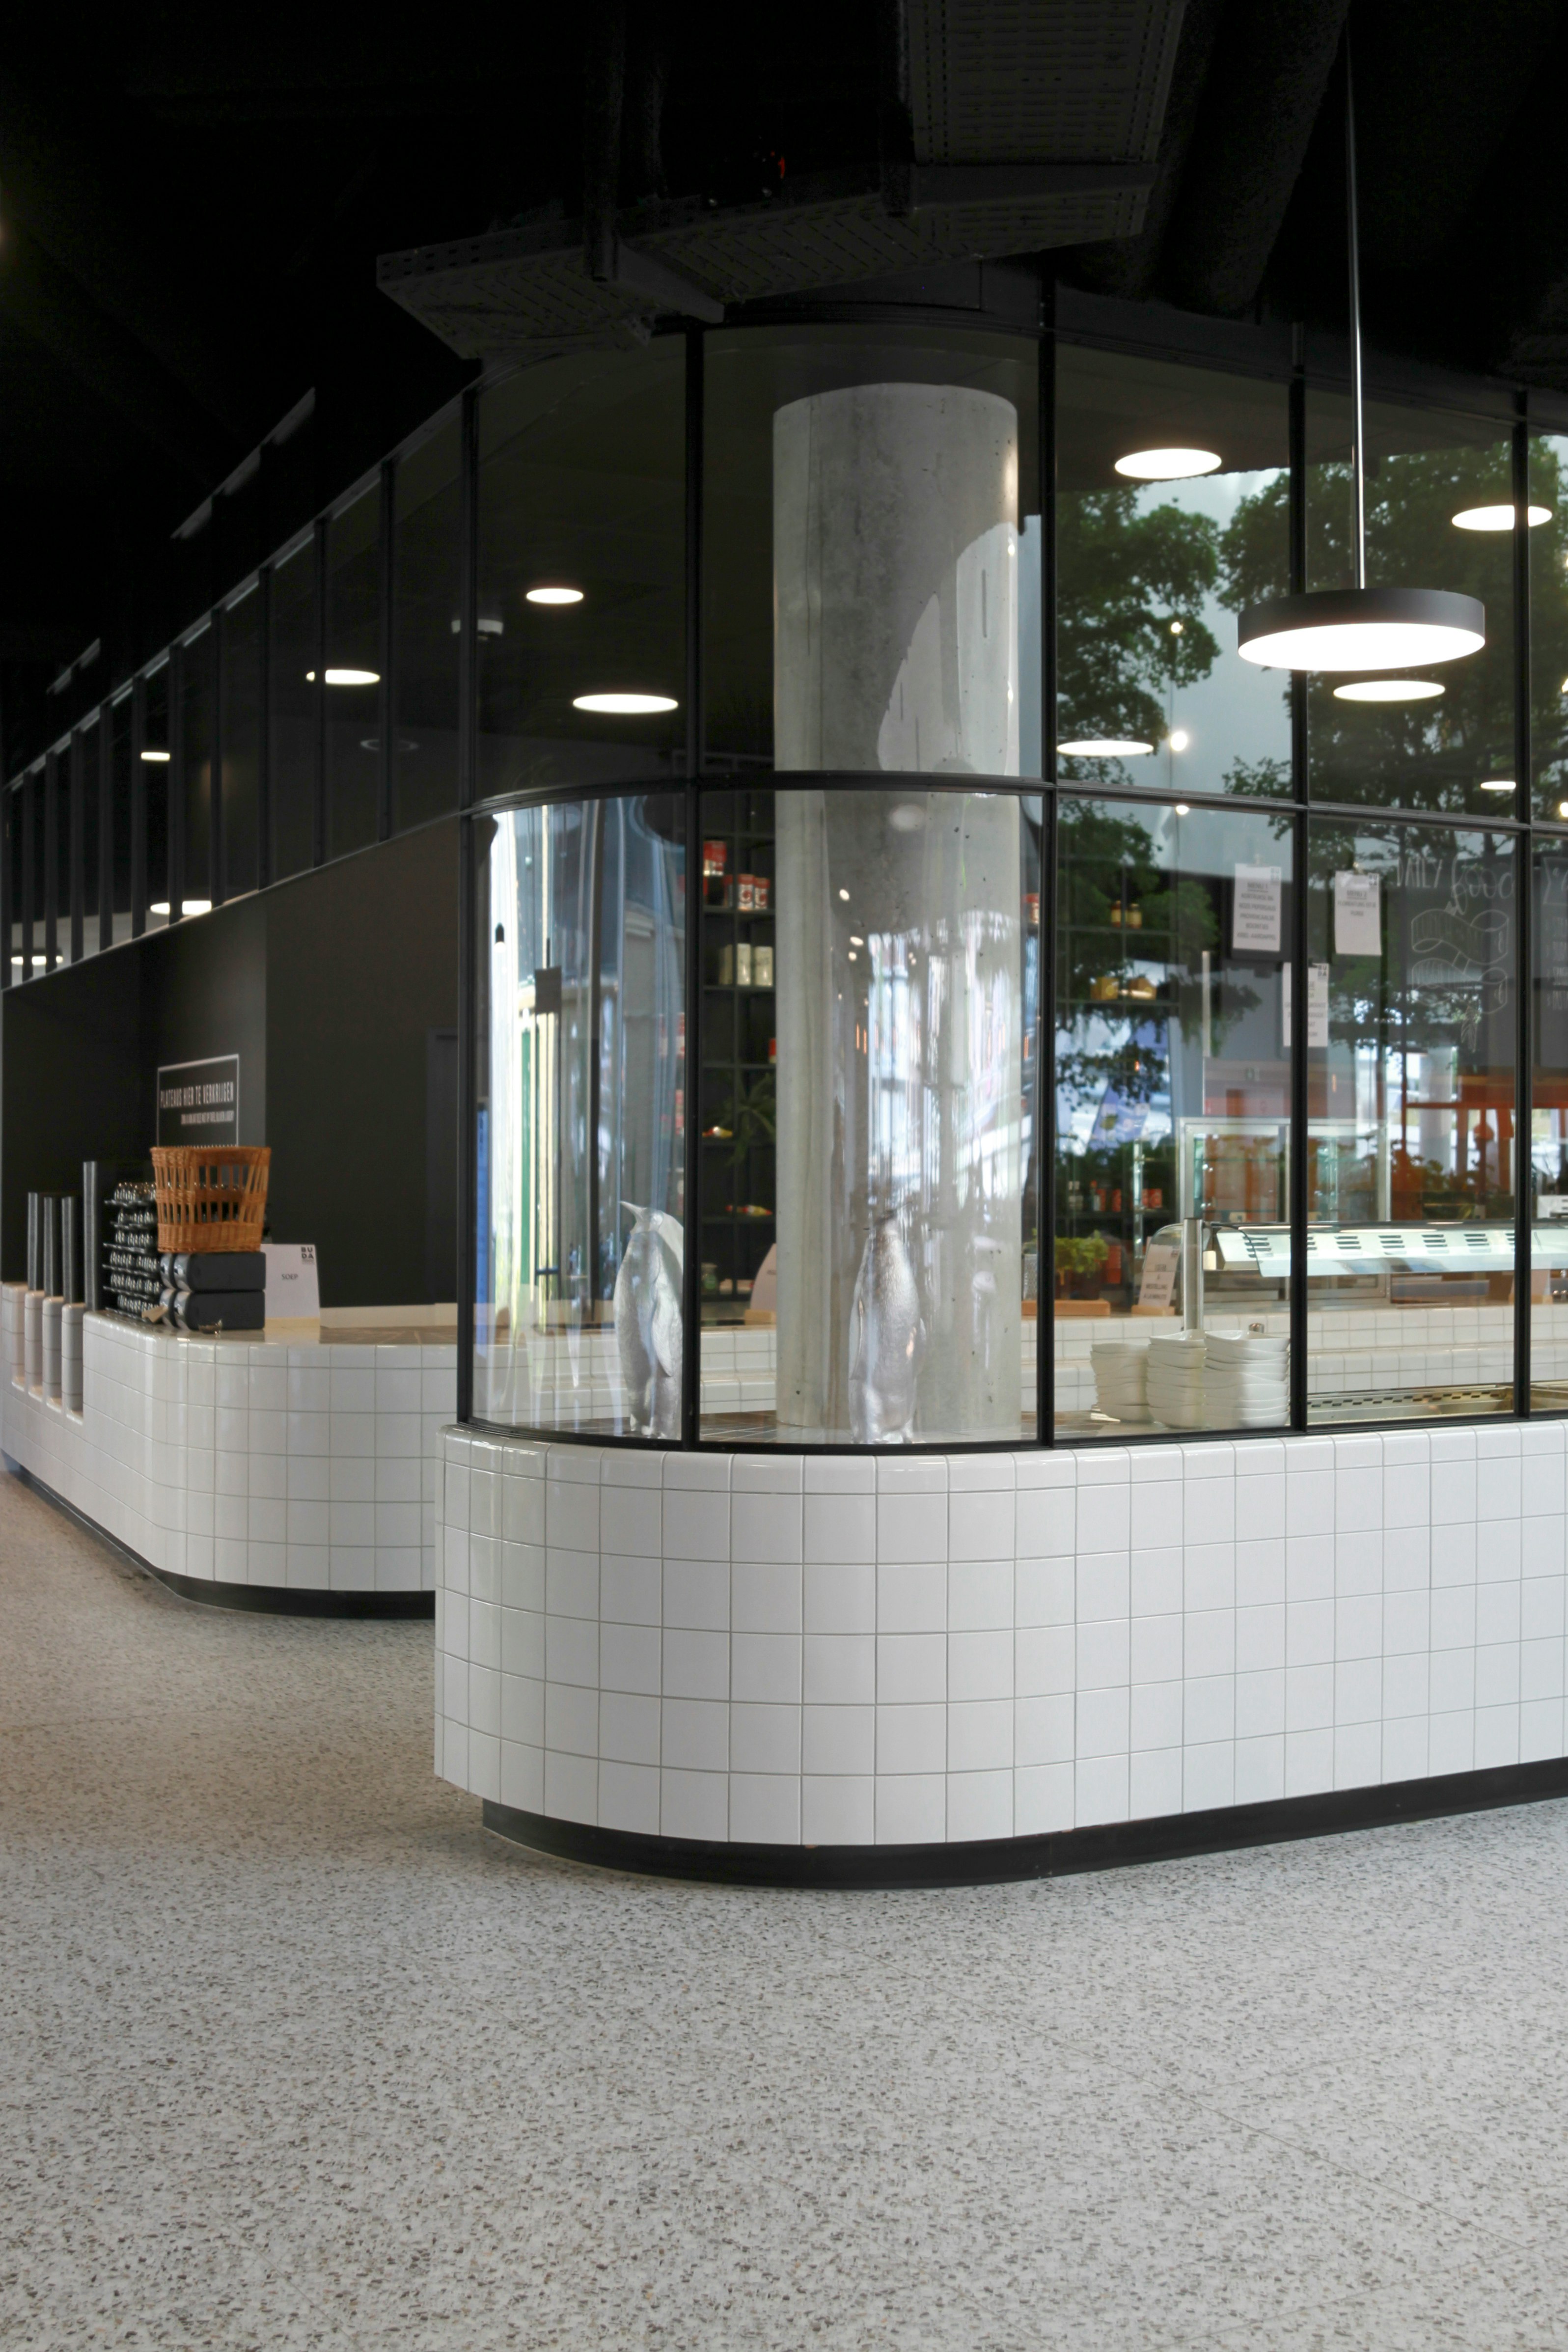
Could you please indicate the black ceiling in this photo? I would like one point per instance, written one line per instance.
(192, 202)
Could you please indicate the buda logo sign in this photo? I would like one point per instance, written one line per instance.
(198, 1102)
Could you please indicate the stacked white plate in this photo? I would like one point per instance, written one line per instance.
(1120, 1375)
(1175, 1380)
(1246, 1380)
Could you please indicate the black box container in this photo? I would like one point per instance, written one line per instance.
(226, 1270)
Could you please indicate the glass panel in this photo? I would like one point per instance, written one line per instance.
(427, 597)
(1549, 623)
(871, 603)
(1453, 748)
(88, 755)
(582, 495)
(580, 1080)
(118, 719)
(58, 819)
(155, 770)
(866, 1111)
(1172, 1246)
(354, 674)
(1410, 1155)
(241, 740)
(15, 797)
(292, 795)
(196, 686)
(1549, 1136)
(1153, 573)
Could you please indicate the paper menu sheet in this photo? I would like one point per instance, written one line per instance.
(1317, 1006)
(1157, 1287)
(1357, 915)
(1255, 912)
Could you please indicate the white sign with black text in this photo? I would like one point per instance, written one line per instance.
(292, 1289)
(1255, 912)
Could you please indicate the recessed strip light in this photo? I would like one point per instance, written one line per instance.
(345, 676)
(1104, 747)
(156, 758)
(1168, 465)
(554, 596)
(1498, 518)
(623, 706)
(1498, 785)
(37, 959)
(187, 907)
(1389, 690)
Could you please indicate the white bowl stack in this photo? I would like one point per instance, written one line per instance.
(1175, 1382)
(1246, 1380)
(1120, 1381)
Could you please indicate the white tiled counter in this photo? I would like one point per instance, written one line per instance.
(839, 1651)
(293, 1465)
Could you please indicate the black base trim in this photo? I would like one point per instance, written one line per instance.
(263, 1599)
(1056, 1853)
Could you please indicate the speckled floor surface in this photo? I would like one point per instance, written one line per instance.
(291, 2052)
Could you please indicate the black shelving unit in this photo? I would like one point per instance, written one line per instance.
(740, 1189)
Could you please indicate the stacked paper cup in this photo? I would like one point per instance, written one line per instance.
(1120, 1377)
(1175, 1385)
(1246, 1380)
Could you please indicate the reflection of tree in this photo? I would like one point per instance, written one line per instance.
(1374, 751)
(1130, 575)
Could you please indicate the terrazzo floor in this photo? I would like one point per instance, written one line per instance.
(291, 2052)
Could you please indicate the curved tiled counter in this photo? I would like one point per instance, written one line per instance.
(288, 1470)
(767, 1665)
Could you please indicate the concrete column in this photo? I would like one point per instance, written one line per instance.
(899, 942)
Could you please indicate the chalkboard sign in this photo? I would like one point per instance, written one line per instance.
(198, 1102)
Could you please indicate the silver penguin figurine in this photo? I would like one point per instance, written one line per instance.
(887, 1340)
(648, 1330)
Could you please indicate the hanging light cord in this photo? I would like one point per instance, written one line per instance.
(1358, 421)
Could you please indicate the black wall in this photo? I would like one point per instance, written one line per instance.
(330, 989)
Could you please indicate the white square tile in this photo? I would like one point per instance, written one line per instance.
(696, 1664)
(908, 1530)
(696, 1594)
(1452, 1682)
(1101, 1790)
(1046, 1523)
(980, 1736)
(979, 1665)
(1309, 1762)
(911, 1739)
(979, 1805)
(1541, 1729)
(1043, 1798)
(979, 1595)
(1157, 1581)
(1497, 1676)
(1043, 1592)
(629, 1658)
(1208, 1576)
(571, 1718)
(1043, 1730)
(630, 1590)
(628, 1729)
(766, 1598)
(1404, 1748)
(840, 1527)
(1102, 1722)
(522, 1778)
(912, 1667)
(522, 1576)
(840, 1669)
(1452, 1747)
(1044, 1660)
(764, 1738)
(766, 1668)
(629, 1797)
(571, 1650)
(693, 1804)
(840, 1598)
(911, 1598)
(1104, 1519)
(696, 1524)
(837, 1809)
(912, 1809)
(766, 1527)
(1541, 1668)
(838, 1740)
(1208, 1776)
(764, 1809)
(695, 1735)
(1154, 1783)
(1103, 1654)
(523, 1710)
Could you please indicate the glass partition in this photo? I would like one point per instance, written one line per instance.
(241, 739)
(579, 1081)
(352, 685)
(1548, 1130)
(426, 605)
(1548, 526)
(292, 718)
(1439, 514)
(1171, 1261)
(197, 694)
(1411, 1147)
(869, 494)
(582, 563)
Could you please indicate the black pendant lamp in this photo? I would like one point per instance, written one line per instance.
(1360, 628)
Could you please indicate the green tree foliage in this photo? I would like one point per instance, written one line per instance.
(1127, 576)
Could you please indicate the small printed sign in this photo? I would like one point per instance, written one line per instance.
(1357, 915)
(292, 1289)
(198, 1102)
(1255, 912)
(1317, 1006)
(1157, 1287)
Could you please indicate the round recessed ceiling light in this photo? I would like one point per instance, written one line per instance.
(1498, 785)
(908, 817)
(554, 596)
(1182, 809)
(1390, 689)
(623, 706)
(187, 907)
(345, 676)
(161, 759)
(1168, 465)
(1178, 739)
(1363, 628)
(1104, 747)
(1497, 517)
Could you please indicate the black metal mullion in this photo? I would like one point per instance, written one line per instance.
(263, 739)
(106, 827)
(1524, 899)
(319, 690)
(216, 863)
(51, 860)
(76, 845)
(691, 1070)
(468, 886)
(8, 884)
(138, 808)
(30, 868)
(176, 775)
(386, 691)
(1299, 1203)
(1050, 866)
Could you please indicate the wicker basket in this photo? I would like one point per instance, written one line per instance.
(211, 1196)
